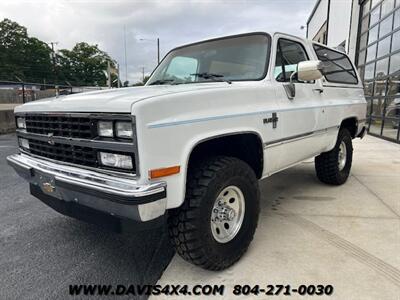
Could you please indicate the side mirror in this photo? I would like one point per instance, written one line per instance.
(309, 70)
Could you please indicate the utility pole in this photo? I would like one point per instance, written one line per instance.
(54, 61)
(109, 74)
(126, 62)
(158, 51)
(158, 47)
(143, 74)
(119, 81)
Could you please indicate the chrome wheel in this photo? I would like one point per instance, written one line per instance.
(342, 156)
(227, 214)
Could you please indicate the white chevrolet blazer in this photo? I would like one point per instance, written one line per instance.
(187, 149)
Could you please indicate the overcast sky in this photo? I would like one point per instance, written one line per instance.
(174, 22)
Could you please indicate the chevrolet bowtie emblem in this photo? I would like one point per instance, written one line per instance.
(48, 187)
(50, 139)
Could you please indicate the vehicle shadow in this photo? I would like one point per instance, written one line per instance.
(128, 258)
(51, 252)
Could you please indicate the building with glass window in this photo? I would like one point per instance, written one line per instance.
(369, 32)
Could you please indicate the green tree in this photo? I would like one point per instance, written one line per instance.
(143, 82)
(146, 78)
(84, 65)
(22, 56)
(39, 62)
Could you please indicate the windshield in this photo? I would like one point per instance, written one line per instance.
(228, 59)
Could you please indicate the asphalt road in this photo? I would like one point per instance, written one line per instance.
(42, 252)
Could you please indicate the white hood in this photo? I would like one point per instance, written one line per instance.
(113, 100)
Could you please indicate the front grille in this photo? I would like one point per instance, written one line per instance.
(70, 138)
(67, 153)
(65, 126)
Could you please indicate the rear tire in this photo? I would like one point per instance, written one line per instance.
(333, 167)
(212, 229)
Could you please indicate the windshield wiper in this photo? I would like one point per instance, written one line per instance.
(161, 81)
(212, 76)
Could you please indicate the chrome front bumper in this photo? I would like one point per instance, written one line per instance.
(117, 196)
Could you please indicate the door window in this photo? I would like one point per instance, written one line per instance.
(288, 55)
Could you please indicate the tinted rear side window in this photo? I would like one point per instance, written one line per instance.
(337, 66)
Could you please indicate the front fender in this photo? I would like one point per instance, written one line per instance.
(170, 127)
(192, 143)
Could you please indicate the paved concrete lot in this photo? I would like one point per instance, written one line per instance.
(43, 252)
(310, 233)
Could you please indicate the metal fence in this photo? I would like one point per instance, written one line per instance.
(22, 92)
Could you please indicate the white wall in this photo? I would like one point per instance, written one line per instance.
(343, 23)
(318, 19)
(339, 22)
(351, 49)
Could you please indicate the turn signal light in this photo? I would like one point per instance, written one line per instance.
(157, 173)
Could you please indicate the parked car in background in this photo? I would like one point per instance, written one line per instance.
(393, 111)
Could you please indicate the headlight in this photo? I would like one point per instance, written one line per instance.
(105, 128)
(124, 130)
(24, 143)
(116, 160)
(21, 122)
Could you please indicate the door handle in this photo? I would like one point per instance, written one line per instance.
(320, 90)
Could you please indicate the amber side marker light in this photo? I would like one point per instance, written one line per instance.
(157, 173)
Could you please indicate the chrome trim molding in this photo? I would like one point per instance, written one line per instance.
(98, 170)
(115, 116)
(119, 145)
(89, 179)
(96, 144)
(297, 137)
